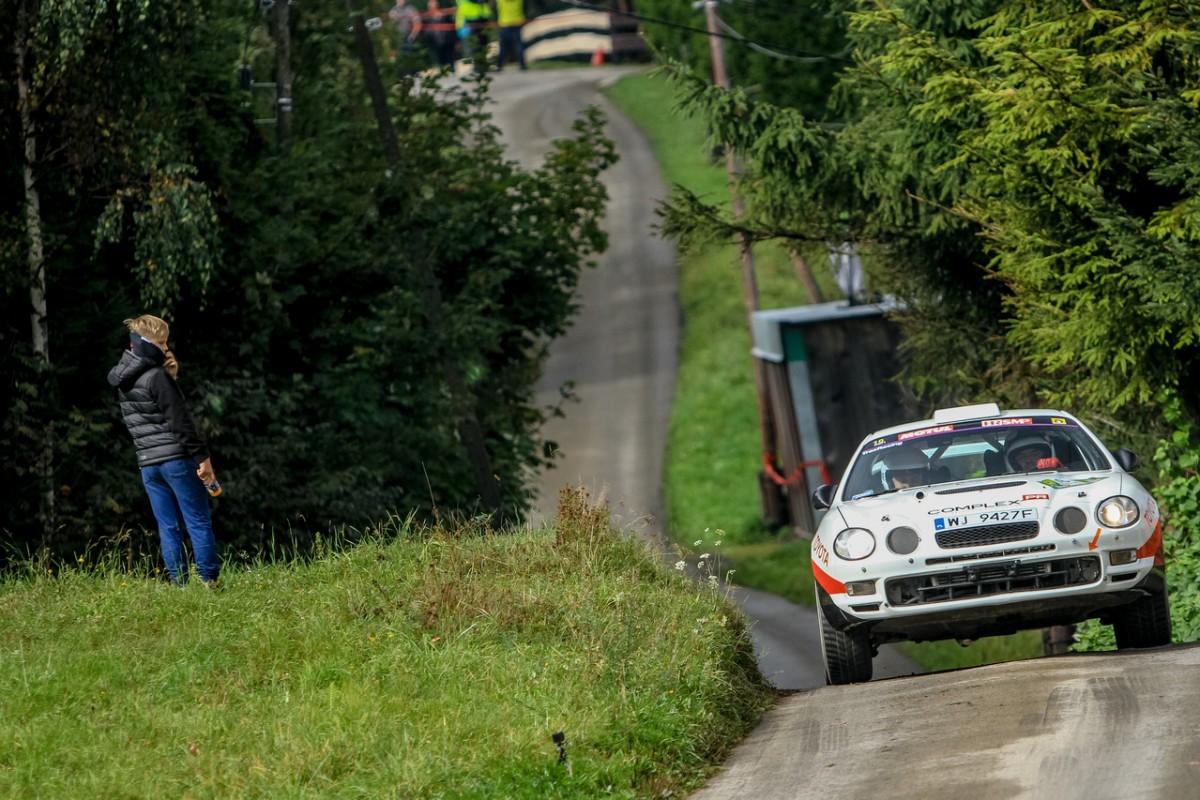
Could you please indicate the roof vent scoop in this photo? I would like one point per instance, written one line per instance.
(966, 412)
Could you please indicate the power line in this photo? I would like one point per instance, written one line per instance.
(758, 48)
(737, 37)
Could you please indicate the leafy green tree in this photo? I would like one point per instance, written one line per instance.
(290, 278)
(1022, 174)
(94, 118)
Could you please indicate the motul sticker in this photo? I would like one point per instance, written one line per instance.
(925, 432)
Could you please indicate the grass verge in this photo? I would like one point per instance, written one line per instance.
(422, 663)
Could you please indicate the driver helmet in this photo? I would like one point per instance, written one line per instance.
(905, 462)
(1024, 442)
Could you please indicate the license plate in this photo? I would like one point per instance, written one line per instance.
(998, 517)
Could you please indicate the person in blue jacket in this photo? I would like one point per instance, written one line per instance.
(172, 456)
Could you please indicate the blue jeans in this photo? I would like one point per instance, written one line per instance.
(180, 502)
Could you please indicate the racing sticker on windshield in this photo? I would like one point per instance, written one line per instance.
(1058, 483)
(925, 432)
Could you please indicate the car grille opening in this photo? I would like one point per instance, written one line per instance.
(987, 534)
(1011, 551)
(982, 580)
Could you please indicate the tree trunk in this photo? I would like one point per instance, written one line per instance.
(44, 463)
(772, 497)
(805, 276)
(283, 78)
(469, 429)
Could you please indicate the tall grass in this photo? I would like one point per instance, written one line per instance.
(422, 662)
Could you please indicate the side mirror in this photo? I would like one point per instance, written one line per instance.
(823, 496)
(1128, 459)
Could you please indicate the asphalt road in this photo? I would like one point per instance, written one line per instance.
(622, 351)
(622, 354)
(1101, 725)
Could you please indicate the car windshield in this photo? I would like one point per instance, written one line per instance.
(972, 449)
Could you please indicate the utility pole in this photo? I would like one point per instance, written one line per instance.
(469, 429)
(283, 76)
(772, 502)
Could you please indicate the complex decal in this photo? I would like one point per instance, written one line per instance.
(973, 507)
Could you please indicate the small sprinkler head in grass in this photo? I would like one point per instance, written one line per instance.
(560, 741)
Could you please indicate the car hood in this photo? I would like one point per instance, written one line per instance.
(978, 502)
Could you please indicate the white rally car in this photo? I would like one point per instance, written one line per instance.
(982, 523)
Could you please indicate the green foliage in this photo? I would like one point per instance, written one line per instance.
(428, 661)
(293, 282)
(1178, 493)
(1022, 172)
(174, 234)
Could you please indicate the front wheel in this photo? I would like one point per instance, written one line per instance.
(1145, 622)
(847, 653)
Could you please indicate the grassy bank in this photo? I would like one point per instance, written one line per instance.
(715, 449)
(424, 663)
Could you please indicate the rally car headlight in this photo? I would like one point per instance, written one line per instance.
(1117, 512)
(854, 544)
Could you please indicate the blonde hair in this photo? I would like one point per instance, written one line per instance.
(150, 327)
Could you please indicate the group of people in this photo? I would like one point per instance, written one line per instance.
(462, 29)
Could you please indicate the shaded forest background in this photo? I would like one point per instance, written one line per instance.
(1023, 176)
(294, 263)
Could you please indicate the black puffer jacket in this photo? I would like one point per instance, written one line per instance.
(154, 408)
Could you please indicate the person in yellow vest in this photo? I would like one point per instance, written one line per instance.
(510, 16)
(471, 19)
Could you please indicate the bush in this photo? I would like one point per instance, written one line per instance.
(1178, 493)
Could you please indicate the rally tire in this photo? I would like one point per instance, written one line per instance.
(1145, 622)
(847, 653)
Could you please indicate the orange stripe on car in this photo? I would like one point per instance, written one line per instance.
(1152, 547)
(828, 583)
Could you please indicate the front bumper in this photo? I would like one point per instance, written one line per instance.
(994, 598)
